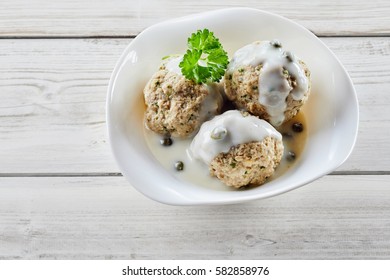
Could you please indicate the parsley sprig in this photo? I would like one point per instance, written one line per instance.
(205, 60)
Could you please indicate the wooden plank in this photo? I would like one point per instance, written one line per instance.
(367, 60)
(128, 18)
(337, 217)
(60, 86)
(53, 103)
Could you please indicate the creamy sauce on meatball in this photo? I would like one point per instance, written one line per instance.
(173, 64)
(213, 102)
(228, 130)
(273, 84)
(197, 172)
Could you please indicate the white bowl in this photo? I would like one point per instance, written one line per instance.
(331, 112)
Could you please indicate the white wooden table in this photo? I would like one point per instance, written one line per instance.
(61, 193)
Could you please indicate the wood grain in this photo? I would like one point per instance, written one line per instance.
(53, 95)
(337, 217)
(45, 18)
(58, 86)
(61, 196)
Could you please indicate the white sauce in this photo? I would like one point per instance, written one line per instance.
(173, 64)
(273, 86)
(212, 140)
(212, 104)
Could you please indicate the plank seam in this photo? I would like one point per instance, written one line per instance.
(59, 174)
(59, 37)
(118, 174)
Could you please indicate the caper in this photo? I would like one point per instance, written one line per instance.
(291, 156)
(179, 165)
(290, 56)
(276, 43)
(166, 141)
(297, 127)
(218, 133)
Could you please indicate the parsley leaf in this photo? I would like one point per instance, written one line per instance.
(205, 60)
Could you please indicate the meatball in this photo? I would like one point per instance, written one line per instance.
(267, 81)
(248, 164)
(176, 106)
(239, 149)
